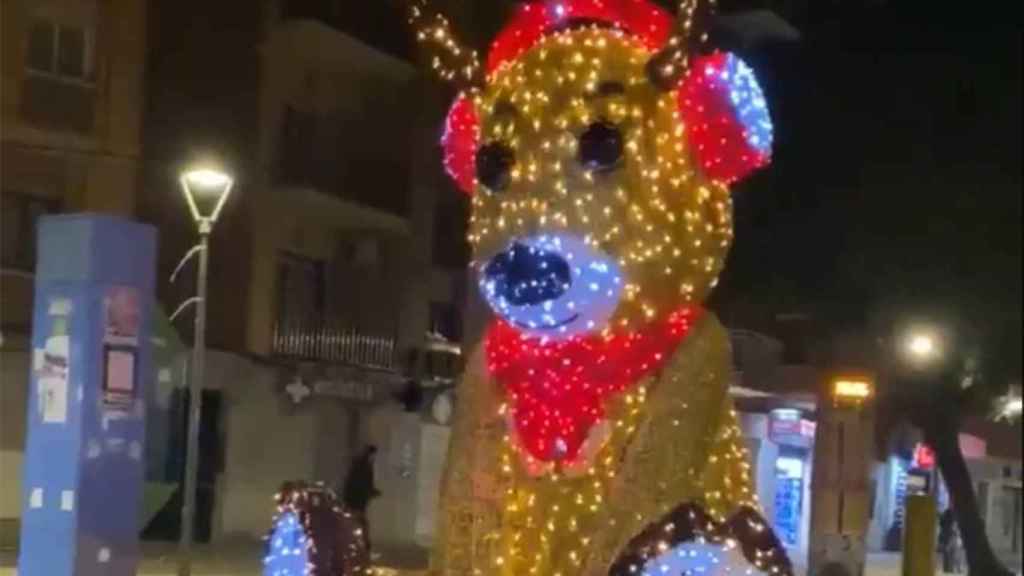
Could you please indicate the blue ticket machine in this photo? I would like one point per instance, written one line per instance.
(84, 463)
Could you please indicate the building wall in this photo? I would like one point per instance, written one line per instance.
(388, 120)
(266, 443)
(72, 143)
(269, 439)
(14, 367)
(48, 156)
(999, 486)
(118, 29)
(201, 108)
(310, 67)
(366, 107)
(408, 472)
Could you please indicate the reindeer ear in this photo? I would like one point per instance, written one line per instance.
(728, 127)
(460, 142)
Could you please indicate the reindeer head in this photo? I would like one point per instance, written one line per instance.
(598, 148)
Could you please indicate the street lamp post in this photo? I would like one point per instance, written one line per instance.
(206, 191)
(922, 352)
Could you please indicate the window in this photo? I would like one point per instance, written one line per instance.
(60, 51)
(296, 147)
(71, 53)
(446, 320)
(58, 90)
(20, 216)
(301, 290)
(451, 217)
(41, 40)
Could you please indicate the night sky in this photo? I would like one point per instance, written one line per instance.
(896, 186)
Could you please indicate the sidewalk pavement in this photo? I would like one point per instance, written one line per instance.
(244, 560)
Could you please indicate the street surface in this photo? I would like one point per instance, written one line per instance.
(244, 560)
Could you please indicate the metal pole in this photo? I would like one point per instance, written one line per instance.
(188, 509)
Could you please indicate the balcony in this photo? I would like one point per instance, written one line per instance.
(322, 339)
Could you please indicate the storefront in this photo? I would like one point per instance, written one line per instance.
(914, 470)
(794, 436)
(782, 452)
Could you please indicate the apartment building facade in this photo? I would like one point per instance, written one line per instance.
(328, 265)
(72, 102)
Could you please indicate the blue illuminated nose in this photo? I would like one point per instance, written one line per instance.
(524, 275)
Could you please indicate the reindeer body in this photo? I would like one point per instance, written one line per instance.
(676, 420)
(594, 431)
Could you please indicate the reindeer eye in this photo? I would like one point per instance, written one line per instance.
(600, 147)
(610, 88)
(494, 163)
(505, 108)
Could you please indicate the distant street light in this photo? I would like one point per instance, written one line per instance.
(922, 347)
(1010, 406)
(206, 190)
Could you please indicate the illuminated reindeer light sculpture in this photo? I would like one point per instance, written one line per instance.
(594, 433)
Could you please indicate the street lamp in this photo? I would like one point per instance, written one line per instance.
(206, 190)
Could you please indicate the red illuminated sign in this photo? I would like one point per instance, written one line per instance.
(924, 457)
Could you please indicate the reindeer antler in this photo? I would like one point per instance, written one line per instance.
(670, 63)
(452, 61)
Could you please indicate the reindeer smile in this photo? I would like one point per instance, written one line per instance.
(555, 326)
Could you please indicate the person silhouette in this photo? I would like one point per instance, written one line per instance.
(360, 488)
(948, 540)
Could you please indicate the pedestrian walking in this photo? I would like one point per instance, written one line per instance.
(360, 488)
(949, 541)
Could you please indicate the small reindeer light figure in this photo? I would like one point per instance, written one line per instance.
(594, 433)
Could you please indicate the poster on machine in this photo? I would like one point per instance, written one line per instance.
(121, 316)
(121, 322)
(52, 363)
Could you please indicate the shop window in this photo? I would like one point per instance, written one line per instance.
(789, 505)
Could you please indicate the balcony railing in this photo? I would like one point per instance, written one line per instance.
(324, 340)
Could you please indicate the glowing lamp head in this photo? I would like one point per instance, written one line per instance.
(1013, 408)
(207, 179)
(922, 346)
(1010, 406)
(206, 190)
